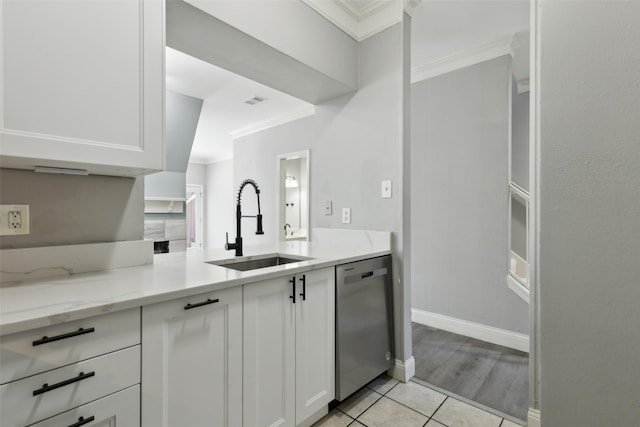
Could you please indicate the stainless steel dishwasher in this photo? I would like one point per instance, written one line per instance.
(364, 326)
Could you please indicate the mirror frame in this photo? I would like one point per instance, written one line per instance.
(282, 171)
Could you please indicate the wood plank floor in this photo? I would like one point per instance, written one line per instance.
(494, 376)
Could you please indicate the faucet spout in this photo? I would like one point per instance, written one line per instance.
(238, 242)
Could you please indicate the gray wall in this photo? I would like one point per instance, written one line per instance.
(219, 204)
(182, 116)
(459, 197)
(520, 137)
(590, 213)
(255, 157)
(196, 174)
(67, 209)
(355, 142)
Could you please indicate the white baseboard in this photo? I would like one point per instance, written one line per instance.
(470, 329)
(533, 418)
(403, 371)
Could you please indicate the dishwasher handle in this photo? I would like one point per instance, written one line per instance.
(366, 275)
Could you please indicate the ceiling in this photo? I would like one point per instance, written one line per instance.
(440, 28)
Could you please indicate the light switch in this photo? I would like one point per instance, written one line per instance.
(346, 215)
(328, 210)
(386, 189)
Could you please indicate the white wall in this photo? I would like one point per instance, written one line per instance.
(317, 42)
(459, 197)
(520, 138)
(219, 204)
(589, 87)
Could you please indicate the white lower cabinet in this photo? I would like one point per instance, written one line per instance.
(118, 409)
(192, 361)
(289, 357)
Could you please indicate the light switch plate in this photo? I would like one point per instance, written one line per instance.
(328, 209)
(386, 189)
(14, 220)
(346, 215)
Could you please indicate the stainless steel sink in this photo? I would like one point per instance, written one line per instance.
(253, 263)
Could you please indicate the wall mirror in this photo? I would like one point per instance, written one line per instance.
(293, 196)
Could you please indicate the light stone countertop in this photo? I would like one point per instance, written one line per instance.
(31, 304)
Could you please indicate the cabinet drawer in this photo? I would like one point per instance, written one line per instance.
(39, 350)
(119, 409)
(41, 396)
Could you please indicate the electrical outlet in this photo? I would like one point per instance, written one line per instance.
(346, 215)
(14, 220)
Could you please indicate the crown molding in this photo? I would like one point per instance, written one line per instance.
(505, 46)
(305, 111)
(363, 23)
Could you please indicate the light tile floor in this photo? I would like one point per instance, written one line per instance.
(386, 402)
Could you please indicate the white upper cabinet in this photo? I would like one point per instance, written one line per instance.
(82, 85)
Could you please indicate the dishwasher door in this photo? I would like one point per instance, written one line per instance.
(364, 327)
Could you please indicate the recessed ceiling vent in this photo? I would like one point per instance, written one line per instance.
(255, 100)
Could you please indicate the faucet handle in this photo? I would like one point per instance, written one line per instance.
(226, 245)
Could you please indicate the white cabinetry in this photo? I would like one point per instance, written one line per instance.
(192, 361)
(82, 85)
(289, 341)
(59, 370)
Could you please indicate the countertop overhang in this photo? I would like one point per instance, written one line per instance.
(43, 302)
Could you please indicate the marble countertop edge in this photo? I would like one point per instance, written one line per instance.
(43, 302)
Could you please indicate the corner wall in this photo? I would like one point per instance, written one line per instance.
(459, 197)
(589, 88)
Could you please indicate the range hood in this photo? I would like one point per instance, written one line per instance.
(169, 186)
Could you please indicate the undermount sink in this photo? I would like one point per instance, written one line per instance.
(254, 263)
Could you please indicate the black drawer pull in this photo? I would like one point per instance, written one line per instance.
(304, 287)
(365, 275)
(46, 339)
(200, 304)
(82, 421)
(46, 387)
(293, 294)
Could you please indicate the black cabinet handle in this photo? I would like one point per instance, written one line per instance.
(304, 287)
(46, 339)
(82, 421)
(293, 295)
(200, 304)
(46, 387)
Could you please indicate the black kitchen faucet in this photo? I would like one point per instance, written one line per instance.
(238, 244)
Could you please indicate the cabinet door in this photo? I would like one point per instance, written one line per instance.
(269, 360)
(192, 361)
(82, 85)
(315, 342)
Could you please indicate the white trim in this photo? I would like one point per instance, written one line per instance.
(505, 46)
(361, 24)
(305, 111)
(533, 418)
(403, 371)
(471, 329)
(518, 288)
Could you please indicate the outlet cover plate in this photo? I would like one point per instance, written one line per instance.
(386, 189)
(14, 220)
(346, 215)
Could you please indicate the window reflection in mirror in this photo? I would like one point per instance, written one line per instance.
(293, 197)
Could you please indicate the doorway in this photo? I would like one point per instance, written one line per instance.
(193, 207)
